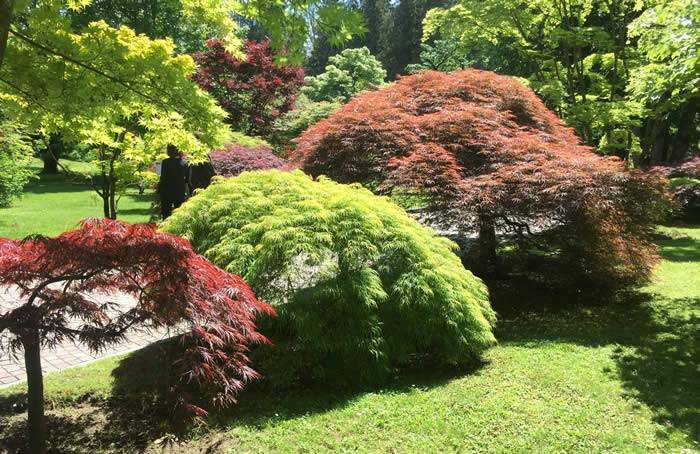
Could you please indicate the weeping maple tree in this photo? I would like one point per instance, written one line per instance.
(359, 286)
(480, 152)
(58, 278)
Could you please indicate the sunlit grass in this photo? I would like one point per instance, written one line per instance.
(52, 204)
(614, 376)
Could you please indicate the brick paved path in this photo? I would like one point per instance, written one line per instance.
(69, 354)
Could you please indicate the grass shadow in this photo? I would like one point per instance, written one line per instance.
(680, 249)
(656, 346)
(259, 406)
(139, 410)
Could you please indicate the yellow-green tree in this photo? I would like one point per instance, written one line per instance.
(124, 93)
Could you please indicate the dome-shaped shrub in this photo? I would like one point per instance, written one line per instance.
(358, 285)
(233, 159)
(484, 154)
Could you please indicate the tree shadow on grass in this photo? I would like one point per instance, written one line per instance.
(56, 185)
(656, 346)
(147, 211)
(139, 410)
(682, 249)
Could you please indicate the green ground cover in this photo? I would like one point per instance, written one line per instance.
(52, 204)
(602, 375)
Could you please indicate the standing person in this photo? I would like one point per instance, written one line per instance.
(173, 183)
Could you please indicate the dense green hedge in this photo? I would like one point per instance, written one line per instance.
(359, 286)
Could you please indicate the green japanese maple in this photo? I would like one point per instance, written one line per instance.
(123, 93)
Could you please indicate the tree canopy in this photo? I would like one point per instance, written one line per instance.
(585, 58)
(255, 90)
(481, 151)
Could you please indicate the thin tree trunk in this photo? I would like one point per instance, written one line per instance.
(6, 8)
(36, 423)
(487, 244)
(112, 188)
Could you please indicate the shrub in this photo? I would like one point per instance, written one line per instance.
(234, 159)
(357, 284)
(485, 155)
(172, 286)
(15, 156)
(290, 125)
(349, 72)
(684, 179)
(254, 90)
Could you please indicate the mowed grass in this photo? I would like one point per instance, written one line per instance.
(606, 376)
(52, 204)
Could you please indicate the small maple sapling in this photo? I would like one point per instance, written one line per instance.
(172, 286)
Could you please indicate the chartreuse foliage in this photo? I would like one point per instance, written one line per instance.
(349, 72)
(358, 284)
(15, 155)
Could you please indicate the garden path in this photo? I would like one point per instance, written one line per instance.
(69, 354)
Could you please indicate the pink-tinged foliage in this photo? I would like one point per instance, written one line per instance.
(172, 285)
(486, 150)
(690, 168)
(255, 90)
(685, 185)
(233, 159)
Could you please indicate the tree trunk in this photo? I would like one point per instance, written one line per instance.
(50, 164)
(52, 154)
(36, 423)
(112, 199)
(487, 245)
(655, 143)
(6, 8)
(686, 135)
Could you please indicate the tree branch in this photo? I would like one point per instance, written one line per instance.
(89, 67)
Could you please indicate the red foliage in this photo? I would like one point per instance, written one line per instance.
(234, 159)
(485, 147)
(685, 192)
(172, 286)
(255, 90)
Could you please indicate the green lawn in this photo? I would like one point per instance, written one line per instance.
(53, 204)
(616, 376)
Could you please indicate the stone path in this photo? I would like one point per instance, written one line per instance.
(69, 354)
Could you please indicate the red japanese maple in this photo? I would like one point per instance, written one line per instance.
(233, 159)
(172, 287)
(489, 157)
(685, 185)
(254, 90)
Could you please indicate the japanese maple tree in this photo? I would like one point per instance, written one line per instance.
(58, 278)
(254, 90)
(482, 153)
(233, 159)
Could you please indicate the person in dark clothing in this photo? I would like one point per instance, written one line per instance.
(173, 183)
